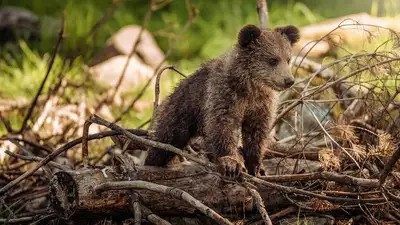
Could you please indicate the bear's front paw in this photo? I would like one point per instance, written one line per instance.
(257, 170)
(230, 166)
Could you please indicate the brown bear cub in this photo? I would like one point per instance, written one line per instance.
(230, 99)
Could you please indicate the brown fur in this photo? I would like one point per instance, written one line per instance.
(230, 97)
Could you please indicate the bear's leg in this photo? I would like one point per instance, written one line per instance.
(173, 131)
(254, 135)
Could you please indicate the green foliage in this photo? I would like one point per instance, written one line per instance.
(22, 71)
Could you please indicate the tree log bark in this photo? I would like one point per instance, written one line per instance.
(72, 192)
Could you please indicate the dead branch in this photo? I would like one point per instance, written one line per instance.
(153, 218)
(135, 45)
(287, 189)
(174, 192)
(157, 86)
(19, 220)
(262, 10)
(309, 65)
(96, 119)
(60, 150)
(35, 99)
(389, 166)
(136, 209)
(260, 204)
(35, 159)
(329, 176)
(6, 123)
(85, 148)
(319, 89)
(192, 13)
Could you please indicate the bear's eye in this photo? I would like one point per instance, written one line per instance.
(273, 61)
(288, 61)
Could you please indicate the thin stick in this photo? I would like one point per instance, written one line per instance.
(136, 44)
(287, 189)
(35, 99)
(329, 176)
(326, 86)
(174, 192)
(19, 220)
(136, 209)
(34, 159)
(157, 89)
(21, 147)
(389, 165)
(62, 149)
(259, 203)
(6, 123)
(192, 14)
(137, 139)
(108, 14)
(85, 148)
(330, 137)
(157, 86)
(31, 143)
(262, 10)
(153, 218)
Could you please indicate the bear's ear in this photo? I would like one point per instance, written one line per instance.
(248, 34)
(291, 32)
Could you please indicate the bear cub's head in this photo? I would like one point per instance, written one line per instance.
(266, 54)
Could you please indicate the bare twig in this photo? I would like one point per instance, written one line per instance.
(109, 13)
(6, 123)
(157, 86)
(31, 143)
(136, 44)
(35, 159)
(343, 179)
(312, 66)
(262, 10)
(174, 192)
(62, 149)
(389, 165)
(85, 149)
(282, 213)
(19, 220)
(327, 85)
(287, 189)
(96, 119)
(21, 147)
(153, 218)
(191, 14)
(35, 99)
(330, 137)
(136, 209)
(259, 203)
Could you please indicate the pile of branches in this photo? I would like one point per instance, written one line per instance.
(339, 167)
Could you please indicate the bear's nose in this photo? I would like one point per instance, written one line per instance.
(289, 82)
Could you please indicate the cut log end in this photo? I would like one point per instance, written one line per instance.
(64, 194)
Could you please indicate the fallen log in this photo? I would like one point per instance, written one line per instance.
(73, 192)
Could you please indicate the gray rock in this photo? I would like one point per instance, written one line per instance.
(17, 23)
(108, 64)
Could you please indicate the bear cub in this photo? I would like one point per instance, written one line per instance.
(229, 100)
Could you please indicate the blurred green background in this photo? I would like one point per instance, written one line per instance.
(214, 30)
